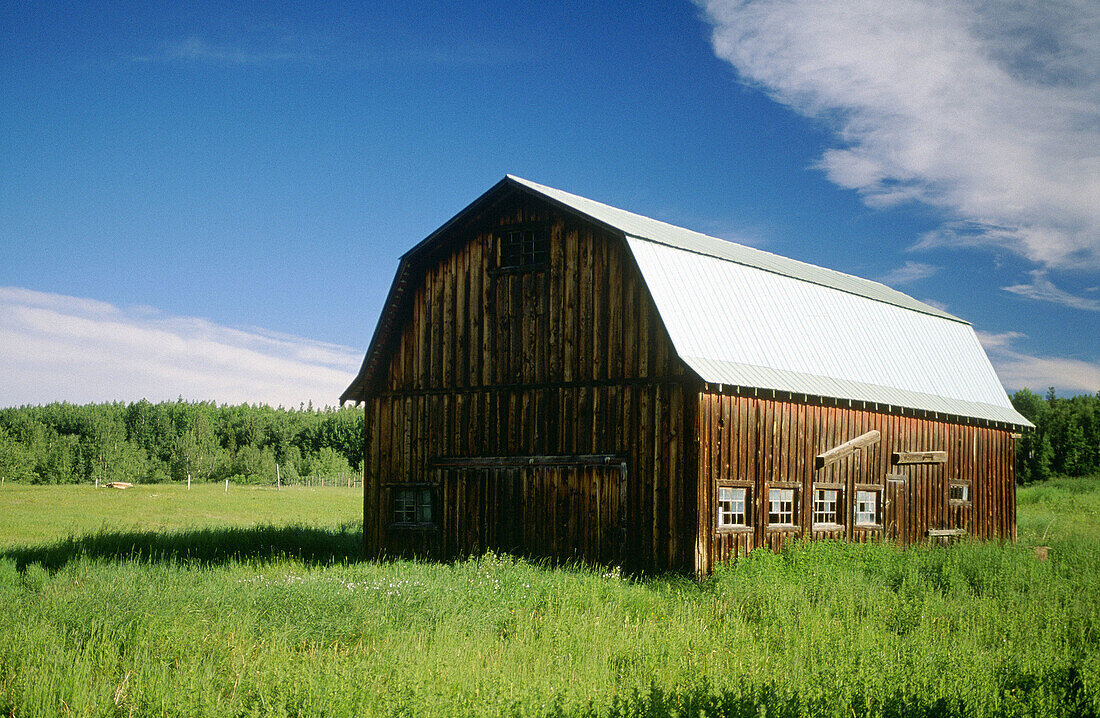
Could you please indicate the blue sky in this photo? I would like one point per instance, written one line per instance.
(210, 201)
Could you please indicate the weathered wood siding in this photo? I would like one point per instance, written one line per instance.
(569, 360)
(762, 443)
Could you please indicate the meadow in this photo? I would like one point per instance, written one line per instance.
(158, 601)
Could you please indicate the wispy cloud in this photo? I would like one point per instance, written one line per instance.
(199, 50)
(59, 348)
(1042, 289)
(990, 111)
(1023, 371)
(909, 273)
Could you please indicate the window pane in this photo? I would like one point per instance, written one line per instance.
(424, 507)
(866, 507)
(826, 506)
(781, 506)
(731, 506)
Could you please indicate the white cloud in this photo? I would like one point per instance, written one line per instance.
(197, 49)
(1023, 371)
(990, 111)
(1044, 290)
(59, 348)
(908, 273)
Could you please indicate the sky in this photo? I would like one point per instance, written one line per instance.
(208, 202)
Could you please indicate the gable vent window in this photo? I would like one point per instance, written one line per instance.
(523, 248)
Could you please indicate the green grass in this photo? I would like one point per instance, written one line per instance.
(41, 514)
(191, 617)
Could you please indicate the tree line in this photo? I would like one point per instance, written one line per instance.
(1066, 438)
(149, 443)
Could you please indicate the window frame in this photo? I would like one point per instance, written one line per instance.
(533, 258)
(875, 492)
(746, 514)
(839, 508)
(794, 509)
(422, 495)
(966, 499)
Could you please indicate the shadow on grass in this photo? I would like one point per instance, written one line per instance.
(207, 546)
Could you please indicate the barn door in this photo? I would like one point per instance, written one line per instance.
(894, 508)
(566, 511)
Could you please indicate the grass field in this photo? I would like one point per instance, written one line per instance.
(153, 601)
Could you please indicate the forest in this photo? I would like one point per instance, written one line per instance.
(1066, 438)
(143, 442)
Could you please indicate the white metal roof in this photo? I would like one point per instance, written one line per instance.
(745, 317)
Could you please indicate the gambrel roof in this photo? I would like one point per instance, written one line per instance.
(743, 317)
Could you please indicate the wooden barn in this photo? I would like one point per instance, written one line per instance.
(556, 377)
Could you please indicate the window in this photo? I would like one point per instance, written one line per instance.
(781, 507)
(866, 508)
(731, 507)
(412, 505)
(523, 247)
(958, 493)
(827, 506)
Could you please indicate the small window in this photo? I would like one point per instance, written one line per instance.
(959, 493)
(731, 507)
(827, 506)
(412, 505)
(867, 508)
(781, 507)
(523, 247)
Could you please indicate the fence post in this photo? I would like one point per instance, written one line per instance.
(227, 486)
(188, 480)
(278, 479)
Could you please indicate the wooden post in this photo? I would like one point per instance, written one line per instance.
(278, 479)
(227, 486)
(188, 480)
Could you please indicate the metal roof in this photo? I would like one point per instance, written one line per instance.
(744, 317)
(739, 325)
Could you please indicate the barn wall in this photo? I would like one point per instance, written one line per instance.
(763, 442)
(571, 360)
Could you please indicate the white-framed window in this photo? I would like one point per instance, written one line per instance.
(867, 508)
(827, 506)
(732, 507)
(958, 492)
(782, 510)
(412, 505)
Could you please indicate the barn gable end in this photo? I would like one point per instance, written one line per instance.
(554, 376)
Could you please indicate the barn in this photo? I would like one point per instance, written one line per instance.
(555, 377)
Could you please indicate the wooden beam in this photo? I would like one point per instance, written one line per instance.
(848, 448)
(936, 533)
(920, 457)
(479, 462)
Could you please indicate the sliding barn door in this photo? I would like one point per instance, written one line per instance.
(562, 512)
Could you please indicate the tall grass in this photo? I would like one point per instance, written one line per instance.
(137, 623)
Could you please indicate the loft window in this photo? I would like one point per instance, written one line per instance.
(867, 508)
(781, 507)
(412, 505)
(523, 247)
(732, 501)
(959, 493)
(827, 506)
